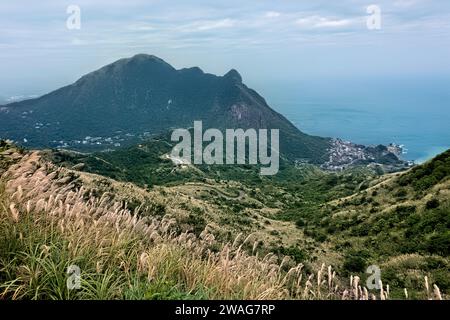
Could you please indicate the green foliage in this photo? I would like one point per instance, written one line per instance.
(438, 243)
(294, 252)
(355, 261)
(428, 231)
(401, 193)
(300, 223)
(429, 174)
(432, 204)
(3, 144)
(354, 264)
(197, 222)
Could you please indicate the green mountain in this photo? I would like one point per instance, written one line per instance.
(134, 98)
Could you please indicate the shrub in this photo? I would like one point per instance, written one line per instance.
(295, 253)
(354, 263)
(432, 204)
(439, 244)
(402, 193)
(300, 223)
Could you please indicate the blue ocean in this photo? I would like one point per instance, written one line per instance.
(410, 111)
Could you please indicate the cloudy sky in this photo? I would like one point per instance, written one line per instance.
(267, 41)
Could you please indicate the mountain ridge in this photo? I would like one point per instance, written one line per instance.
(132, 99)
(145, 94)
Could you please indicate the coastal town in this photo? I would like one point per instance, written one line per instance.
(343, 154)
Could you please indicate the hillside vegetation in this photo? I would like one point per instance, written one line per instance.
(402, 224)
(352, 219)
(215, 236)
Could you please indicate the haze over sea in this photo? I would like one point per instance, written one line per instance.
(412, 111)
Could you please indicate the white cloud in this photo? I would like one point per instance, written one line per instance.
(206, 25)
(322, 22)
(141, 27)
(114, 28)
(78, 42)
(405, 3)
(272, 14)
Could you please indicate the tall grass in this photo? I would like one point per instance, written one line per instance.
(47, 225)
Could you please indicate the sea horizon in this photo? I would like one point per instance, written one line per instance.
(411, 112)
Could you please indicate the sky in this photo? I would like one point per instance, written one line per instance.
(283, 41)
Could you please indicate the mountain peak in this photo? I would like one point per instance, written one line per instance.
(234, 75)
(119, 103)
(148, 59)
(144, 56)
